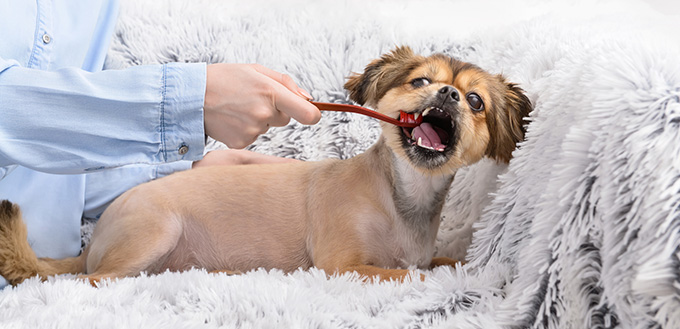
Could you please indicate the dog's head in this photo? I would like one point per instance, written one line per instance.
(466, 112)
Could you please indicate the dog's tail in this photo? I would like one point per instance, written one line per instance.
(17, 260)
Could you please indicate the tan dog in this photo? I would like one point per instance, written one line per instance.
(377, 213)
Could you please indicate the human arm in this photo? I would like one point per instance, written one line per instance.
(57, 120)
(71, 121)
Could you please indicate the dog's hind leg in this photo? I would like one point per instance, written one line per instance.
(97, 279)
(132, 244)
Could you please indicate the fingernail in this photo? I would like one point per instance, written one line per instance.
(304, 94)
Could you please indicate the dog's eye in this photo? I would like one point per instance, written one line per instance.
(475, 102)
(420, 82)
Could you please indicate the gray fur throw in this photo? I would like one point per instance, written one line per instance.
(580, 230)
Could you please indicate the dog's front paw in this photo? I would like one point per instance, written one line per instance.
(445, 261)
(227, 272)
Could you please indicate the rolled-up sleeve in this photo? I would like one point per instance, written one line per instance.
(72, 121)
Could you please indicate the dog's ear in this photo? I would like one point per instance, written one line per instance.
(381, 75)
(507, 124)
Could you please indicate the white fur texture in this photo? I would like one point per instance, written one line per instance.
(581, 230)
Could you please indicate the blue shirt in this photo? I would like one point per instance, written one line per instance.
(73, 137)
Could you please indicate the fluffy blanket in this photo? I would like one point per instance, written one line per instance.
(581, 230)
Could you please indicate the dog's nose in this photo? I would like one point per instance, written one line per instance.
(448, 93)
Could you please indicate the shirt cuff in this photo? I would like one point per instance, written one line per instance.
(182, 127)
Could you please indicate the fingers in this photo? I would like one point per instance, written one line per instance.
(283, 79)
(293, 104)
(299, 109)
(243, 101)
(279, 119)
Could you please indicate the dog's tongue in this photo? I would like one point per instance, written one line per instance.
(428, 135)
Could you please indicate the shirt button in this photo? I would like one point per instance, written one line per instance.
(183, 150)
(46, 38)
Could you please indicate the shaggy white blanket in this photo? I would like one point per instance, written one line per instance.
(581, 230)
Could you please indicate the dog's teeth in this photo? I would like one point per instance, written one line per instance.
(420, 144)
(416, 116)
(427, 110)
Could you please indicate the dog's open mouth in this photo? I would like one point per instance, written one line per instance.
(434, 131)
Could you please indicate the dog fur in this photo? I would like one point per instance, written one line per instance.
(377, 214)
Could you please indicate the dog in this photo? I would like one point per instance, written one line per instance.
(376, 214)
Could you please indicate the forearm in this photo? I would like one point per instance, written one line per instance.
(73, 121)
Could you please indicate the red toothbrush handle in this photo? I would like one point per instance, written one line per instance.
(361, 110)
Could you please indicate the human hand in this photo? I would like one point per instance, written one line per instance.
(237, 157)
(243, 100)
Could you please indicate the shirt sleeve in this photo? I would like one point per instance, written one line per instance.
(71, 121)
